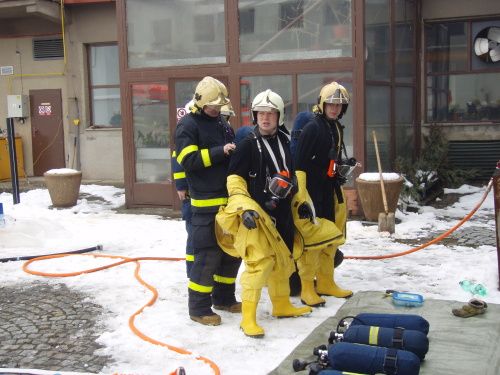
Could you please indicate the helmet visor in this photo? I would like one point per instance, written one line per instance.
(280, 186)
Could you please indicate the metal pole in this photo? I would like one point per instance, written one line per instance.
(496, 195)
(11, 137)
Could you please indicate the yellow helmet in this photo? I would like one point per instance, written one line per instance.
(333, 93)
(227, 109)
(210, 91)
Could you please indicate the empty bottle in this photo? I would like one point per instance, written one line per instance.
(2, 218)
(473, 287)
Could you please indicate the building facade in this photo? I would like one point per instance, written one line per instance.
(123, 71)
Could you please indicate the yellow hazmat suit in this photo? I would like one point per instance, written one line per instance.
(267, 259)
(316, 241)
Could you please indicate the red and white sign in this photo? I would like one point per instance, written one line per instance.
(181, 112)
(45, 109)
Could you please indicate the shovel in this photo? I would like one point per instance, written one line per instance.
(386, 221)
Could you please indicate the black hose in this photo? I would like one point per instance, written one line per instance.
(81, 251)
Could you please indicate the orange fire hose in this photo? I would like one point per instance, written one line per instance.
(131, 321)
(437, 239)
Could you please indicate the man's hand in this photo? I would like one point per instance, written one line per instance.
(248, 218)
(305, 211)
(229, 148)
(183, 194)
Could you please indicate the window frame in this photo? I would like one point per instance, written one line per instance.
(92, 87)
(469, 70)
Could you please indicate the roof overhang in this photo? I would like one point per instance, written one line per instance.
(18, 9)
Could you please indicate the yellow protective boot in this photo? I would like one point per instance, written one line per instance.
(249, 320)
(283, 308)
(308, 295)
(326, 286)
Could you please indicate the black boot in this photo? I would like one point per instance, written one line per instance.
(223, 298)
(200, 309)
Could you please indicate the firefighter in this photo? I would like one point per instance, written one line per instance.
(319, 147)
(204, 142)
(258, 215)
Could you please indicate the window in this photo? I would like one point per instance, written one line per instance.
(104, 86)
(151, 132)
(291, 15)
(461, 84)
(196, 33)
(247, 21)
(251, 86)
(298, 29)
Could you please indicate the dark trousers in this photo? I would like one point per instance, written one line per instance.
(213, 274)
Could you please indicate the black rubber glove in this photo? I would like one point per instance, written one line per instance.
(248, 218)
(305, 211)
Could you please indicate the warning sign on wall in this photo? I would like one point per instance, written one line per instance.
(181, 112)
(45, 109)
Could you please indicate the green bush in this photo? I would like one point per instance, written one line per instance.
(426, 176)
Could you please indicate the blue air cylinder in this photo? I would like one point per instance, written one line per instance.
(366, 359)
(406, 321)
(397, 338)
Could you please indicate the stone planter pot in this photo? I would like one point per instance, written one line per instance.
(370, 194)
(63, 185)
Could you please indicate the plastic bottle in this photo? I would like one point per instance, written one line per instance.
(474, 288)
(2, 218)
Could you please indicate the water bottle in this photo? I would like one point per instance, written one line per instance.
(474, 288)
(2, 218)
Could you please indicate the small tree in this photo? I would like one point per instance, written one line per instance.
(426, 177)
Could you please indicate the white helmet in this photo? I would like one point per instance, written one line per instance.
(267, 101)
(227, 110)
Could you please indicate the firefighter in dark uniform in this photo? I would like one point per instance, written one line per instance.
(182, 189)
(204, 142)
(319, 147)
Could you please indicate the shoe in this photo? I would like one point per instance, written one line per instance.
(474, 307)
(207, 320)
(234, 308)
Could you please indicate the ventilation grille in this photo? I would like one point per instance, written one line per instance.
(480, 155)
(48, 49)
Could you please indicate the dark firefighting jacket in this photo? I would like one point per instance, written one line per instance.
(313, 156)
(200, 141)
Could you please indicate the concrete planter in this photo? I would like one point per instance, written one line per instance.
(63, 185)
(370, 196)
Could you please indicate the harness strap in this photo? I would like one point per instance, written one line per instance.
(397, 338)
(390, 362)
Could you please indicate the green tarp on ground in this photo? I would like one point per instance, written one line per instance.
(456, 345)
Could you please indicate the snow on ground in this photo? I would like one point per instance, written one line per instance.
(32, 228)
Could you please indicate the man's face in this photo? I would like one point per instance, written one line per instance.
(267, 122)
(212, 110)
(332, 110)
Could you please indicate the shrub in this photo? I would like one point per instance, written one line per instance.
(426, 176)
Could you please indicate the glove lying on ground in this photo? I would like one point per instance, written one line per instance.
(474, 307)
(248, 218)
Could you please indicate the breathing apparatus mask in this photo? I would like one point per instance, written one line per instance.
(342, 168)
(279, 187)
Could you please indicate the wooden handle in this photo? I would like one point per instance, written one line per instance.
(384, 198)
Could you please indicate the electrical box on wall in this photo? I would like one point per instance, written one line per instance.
(17, 106)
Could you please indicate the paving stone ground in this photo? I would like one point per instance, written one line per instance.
(49, 327)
